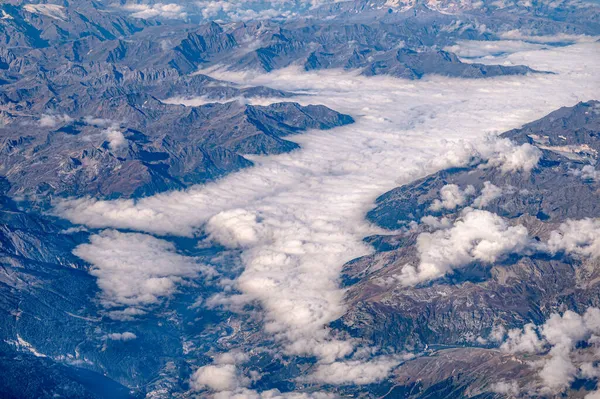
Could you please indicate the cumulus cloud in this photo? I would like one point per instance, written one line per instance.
(476, 236)
(115, 138)
(302, 214)
(222, 377)
(236, 228)
(356, 372)
(525, 340)
(557, 339)
(436, 223)
(100, 122)
(506, 388)
(509, 157)
(210, 9)
(242, 10)
(136, 269)
(125, 336)
(488, 194)
(112, 134)
(588, 172)
(54, 120)
(452, 196)
(579, 237)
(160, 10)
(226, 380)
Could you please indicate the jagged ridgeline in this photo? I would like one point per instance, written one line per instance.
(455, 314)
(92, 98)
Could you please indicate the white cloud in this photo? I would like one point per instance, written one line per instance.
(111, 133)
(497, 334)
(203, 100)
(515, 41)
(100, 122)
(305, 210)
(136, 269)
(452, 196)
(526, 340)
(476, 236)
(233, 357)
(489, 193)
(588, 370)
(243, 10)
(125, 336)
(126, 314)
(506, 388)
(436, 223)
(211, 9)
(115, 138)
(161, 10)
(226, 380)
(531, 37)
(580, 237)
(557, 338)
(236, 228)
(477, 49)
(588, 172)
(245, 393)
(509, 157)
(222, 377)
(54, 120)
(356, 372)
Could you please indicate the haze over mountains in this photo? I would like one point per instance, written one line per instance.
(289, 199)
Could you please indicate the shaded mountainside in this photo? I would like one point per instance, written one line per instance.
(136, 145)
(50, 35)
(96, 125)
(268, 46)
(74, 127)
(52, 321)
(100, 129)
(88, 107)
(462, 308)
(554, 191)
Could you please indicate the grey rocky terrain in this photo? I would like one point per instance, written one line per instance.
(89, 107)
(461, 309)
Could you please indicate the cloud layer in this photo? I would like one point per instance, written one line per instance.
(299, 217)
